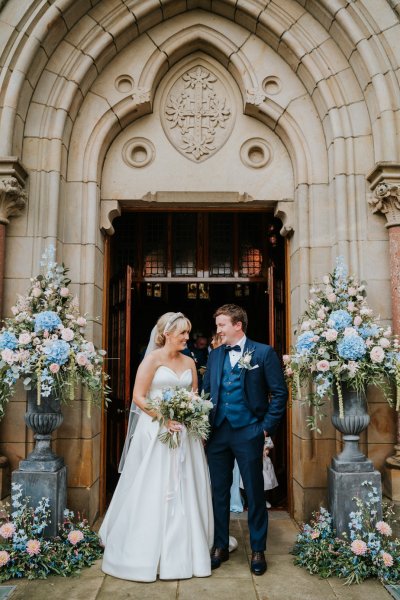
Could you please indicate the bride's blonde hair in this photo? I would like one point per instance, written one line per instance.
(171, 322)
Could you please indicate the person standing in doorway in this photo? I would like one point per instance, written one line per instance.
(246, 385)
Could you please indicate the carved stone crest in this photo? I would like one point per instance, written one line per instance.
(198, 117)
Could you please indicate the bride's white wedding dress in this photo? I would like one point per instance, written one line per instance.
(160, 519)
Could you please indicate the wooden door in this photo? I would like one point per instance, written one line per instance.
(119, 369)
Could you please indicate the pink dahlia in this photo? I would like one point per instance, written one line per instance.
(75, 536)
(359, 547)
(387, 559)
(33, 547)
(383, 528)
(7, 530)
(4, 558)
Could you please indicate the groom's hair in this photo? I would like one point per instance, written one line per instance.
(236, 314)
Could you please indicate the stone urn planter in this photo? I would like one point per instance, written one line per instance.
(43, 419)
(355, 420)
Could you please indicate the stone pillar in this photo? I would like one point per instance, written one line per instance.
(12, 202)
(385, 183)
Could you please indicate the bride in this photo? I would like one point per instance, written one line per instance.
(160, 518)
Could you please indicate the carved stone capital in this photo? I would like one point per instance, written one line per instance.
(387, 201)
(13, 199)
(255, 96)
(385, 183)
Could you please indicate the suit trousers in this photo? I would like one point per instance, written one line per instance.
(246, 445)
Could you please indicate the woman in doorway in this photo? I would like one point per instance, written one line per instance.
(160, 519)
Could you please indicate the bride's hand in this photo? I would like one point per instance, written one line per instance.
(173, 425)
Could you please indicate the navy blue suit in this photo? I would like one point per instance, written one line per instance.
(239, 419)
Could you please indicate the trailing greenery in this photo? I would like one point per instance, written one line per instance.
(369, 550)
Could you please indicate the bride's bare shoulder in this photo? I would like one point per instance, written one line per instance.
(152, 360)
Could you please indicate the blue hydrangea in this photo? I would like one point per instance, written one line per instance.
(57, 352)
(340, 319)
(47, 320)
(368, 331)
(305, 341)
(8, 340)
(352, 347)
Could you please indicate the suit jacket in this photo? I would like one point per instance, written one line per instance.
(258, 384)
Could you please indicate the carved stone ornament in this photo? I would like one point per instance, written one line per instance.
(198, 117)
(13, 199)
(387, 201)
(255, 96)
(141, 96)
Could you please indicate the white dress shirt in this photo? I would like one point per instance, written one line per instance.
(234, 355)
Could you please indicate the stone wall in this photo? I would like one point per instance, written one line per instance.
(317, 81)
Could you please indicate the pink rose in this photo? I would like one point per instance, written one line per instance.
(8, 356)
(331, 297)
(315, 534)
(384, 342)
(286, 359)
(67, 334)
(54, 368)
(64, 292)
(81, 359)
(24, 338)
(357, 321)
(81, 321)
(321, 314)
(349, 331)
(36, 292)
(352, 291)
(323, 365)
(377, 354)
(289, 371)
(351, 307)
(330, 335)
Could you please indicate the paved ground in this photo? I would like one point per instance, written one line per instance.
(233, 581)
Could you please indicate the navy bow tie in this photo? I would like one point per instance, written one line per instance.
(236, 348)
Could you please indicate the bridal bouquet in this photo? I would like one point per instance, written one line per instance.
(44, 344)
(340, 340)
(188, 408)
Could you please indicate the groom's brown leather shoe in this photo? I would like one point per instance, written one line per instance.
(218, 556)
(258, 564)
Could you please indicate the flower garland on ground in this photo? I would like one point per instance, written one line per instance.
(368, 551)
(24, 552)
(340, 340)
(44, 344)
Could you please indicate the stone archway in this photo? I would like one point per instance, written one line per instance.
(321, 78)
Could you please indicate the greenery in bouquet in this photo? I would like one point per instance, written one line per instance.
(368, 550)
(340, 340)
(43, 343)
(25, 552)
(188, 408)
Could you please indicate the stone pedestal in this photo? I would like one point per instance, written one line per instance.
(344, 483)
(51, 485)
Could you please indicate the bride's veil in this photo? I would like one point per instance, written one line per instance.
(134, 412)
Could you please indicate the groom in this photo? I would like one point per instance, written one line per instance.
(240, 376)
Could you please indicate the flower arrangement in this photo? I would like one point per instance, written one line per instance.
(340, 340)
(187, 407)
(44, 344)
(244, 361)
(24, 552)
(368, 551)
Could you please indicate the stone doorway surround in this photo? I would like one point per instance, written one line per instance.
(318, 78)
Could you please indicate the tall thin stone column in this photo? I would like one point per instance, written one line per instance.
(12, 202)
(385, 183)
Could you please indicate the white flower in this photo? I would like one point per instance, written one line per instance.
(330, 335)
(377, 354)
(352, 291)
(81, 359)
(245, 360)
(64, 292)
(351, 307)
(349, 331)
(24, 338)
(81, 321)
(305, 326)
(352, 367)
(321, 313)
(331, 297)
(8, 356)
(36, 292)
(366, 311)
(387, 332)
(357, 321)
(67, 334)
(384, 342)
